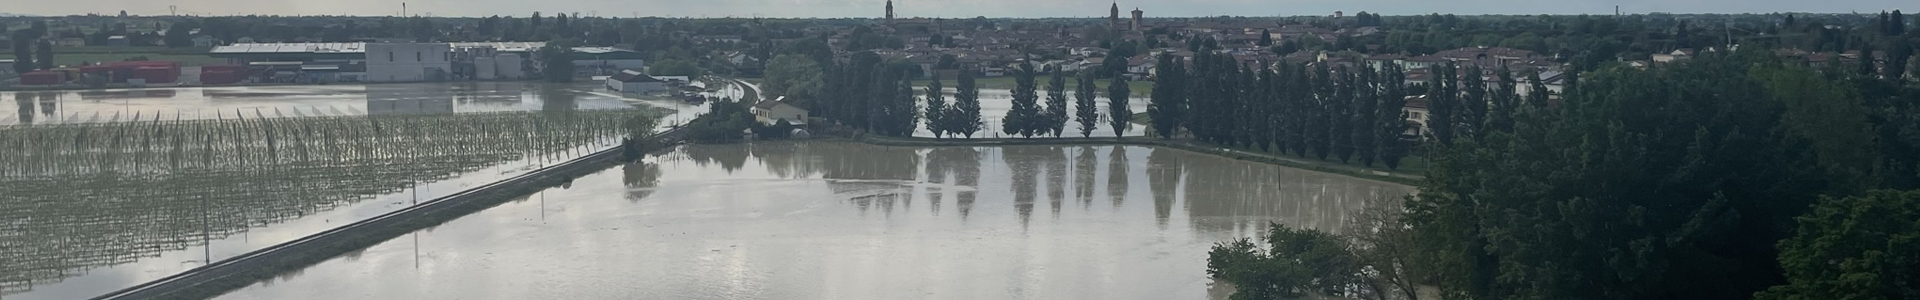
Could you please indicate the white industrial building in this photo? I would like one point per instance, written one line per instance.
(390, 62)
(403, 62)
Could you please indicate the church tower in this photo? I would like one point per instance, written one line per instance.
(889, 10)
(1113, 17)
(1136, 19)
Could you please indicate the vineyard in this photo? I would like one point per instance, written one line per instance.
(78, 196)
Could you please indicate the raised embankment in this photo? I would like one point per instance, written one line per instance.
(239, 271)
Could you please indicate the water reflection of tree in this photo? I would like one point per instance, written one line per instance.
(558, 97)
(1085, 163)
(49, 103)
(785, 159)
(641, 178)
(25, 102)
(864, 171)
(1226, 195)
(868, 162)
(1117, 169)
(1056, 178)
(1164, 169)
(729, 157)
(963, 165)
(1024, 164)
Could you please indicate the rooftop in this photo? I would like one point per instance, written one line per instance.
(355, 48)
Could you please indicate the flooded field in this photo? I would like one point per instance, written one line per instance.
(98, 204)
(119, 105)
(829, 220)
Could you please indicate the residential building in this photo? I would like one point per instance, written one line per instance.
(771, 112)
(1417, 114)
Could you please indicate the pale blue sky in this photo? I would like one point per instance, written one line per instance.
(942, 8)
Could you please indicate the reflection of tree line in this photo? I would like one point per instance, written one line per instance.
(47, 104)
(962, 164)
(1222, 194)
(1219, 193)
(90, 195)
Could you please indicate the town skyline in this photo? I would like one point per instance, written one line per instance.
(932, 9)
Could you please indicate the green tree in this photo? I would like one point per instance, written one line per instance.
(178, 35)
(792, 75)
(901, 115)
(965, 116)
(558, 61)
(1643, 184)
(22, 53)
(1391, 119)
(936, 108)
(1084, 106)
(1364, 120)
(1340, 111)
(1865, 247)
(1537, 93)
(1117, 110)
(1293, 263)
(1056, 113)
(1023, 118)
(45, 55)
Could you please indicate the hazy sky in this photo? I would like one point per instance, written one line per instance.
(938, 8)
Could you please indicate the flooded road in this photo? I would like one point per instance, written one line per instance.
(827, 220)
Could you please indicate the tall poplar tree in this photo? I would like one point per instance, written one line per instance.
(1365, 118)
(936, 108)
(1119, 113)
(1086, 111)
(1021, 119)
(964, 118)
(1169, 103)
(1056, 113)
(1341, 113)
(1391, 117)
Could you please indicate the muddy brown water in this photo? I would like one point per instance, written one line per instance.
(829, 220)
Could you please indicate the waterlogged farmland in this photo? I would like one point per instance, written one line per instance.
(94, 207)
(829, 220)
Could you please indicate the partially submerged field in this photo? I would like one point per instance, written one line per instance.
(83, 196)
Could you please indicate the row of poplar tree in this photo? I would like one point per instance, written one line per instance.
(870, 94)
(1309, 110)
(1326, 111)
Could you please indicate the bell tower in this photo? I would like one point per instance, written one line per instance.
(889, 10)
(1113, 16)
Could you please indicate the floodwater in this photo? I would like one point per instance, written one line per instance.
(994, 105)
(826, 220)
(121, 105)
(130, 236)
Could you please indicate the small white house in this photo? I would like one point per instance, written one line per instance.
(772, 111)
(634, 82)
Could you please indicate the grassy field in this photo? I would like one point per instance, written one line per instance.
(1136, 89)
(74, 56)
